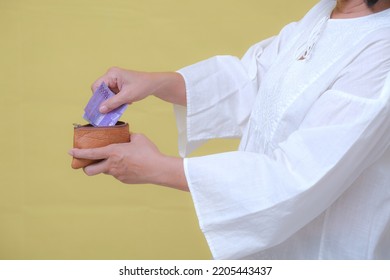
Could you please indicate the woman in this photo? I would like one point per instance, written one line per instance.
(311, 106)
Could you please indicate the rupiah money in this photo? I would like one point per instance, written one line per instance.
(91, 111)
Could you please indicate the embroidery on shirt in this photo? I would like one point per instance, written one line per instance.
(305, 51)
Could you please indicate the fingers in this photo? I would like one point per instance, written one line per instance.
(96, 153)
(110, 79)
(98, 82)
(97, 168)
(113, 80)
(113, 103)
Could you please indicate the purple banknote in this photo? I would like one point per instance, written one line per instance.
(91, 111)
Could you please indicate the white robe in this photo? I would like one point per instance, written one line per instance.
(311, 178)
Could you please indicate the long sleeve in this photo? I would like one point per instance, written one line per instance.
(221, 91)
(247, 202)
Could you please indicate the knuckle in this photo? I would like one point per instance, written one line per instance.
(114, 172)
(121, 179)
(113, 70)
(115, 154)
(111, 171)
(93, 153)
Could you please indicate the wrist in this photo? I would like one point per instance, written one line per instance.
(171, 173)
(169, 86)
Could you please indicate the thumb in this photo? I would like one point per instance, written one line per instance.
(112, 103)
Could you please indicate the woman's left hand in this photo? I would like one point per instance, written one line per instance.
(136, 162)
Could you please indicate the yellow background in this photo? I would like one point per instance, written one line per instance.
(50, 53)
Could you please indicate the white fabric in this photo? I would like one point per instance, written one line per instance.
(311, 178)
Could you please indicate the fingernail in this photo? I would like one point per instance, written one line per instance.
(70, 152)
(103, 109)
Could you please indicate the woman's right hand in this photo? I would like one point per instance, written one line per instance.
(131, 86)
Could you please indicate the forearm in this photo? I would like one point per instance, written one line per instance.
(170, 87)
(171, 173)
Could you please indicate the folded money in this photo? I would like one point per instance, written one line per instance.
(91, 111)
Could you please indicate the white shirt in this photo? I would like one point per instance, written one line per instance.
(311, 178)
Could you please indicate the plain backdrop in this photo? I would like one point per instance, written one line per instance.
(50, 53)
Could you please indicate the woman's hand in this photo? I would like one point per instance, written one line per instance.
(131, 86)
(136, 162)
